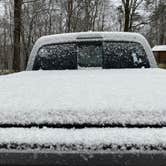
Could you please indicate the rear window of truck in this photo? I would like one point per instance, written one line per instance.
(106, 55)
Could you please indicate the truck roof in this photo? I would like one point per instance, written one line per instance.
(72, 37)
(91, 36)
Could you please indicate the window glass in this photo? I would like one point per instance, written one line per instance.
(89, 55)
(124, 55)
(56, 57)
(107, 55)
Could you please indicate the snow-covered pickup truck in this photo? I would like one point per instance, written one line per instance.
(93, 98)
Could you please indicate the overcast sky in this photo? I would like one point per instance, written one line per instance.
(1, 8)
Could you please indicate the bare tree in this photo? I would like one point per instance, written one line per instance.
(31, 19)
(129, 9)
(156, 32)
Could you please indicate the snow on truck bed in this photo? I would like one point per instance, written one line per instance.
(125, 96)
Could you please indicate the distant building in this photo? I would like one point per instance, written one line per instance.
(160, 54)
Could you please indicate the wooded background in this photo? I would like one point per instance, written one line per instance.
(22, 22)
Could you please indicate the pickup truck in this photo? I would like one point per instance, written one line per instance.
(92, 98)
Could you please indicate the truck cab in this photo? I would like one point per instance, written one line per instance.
(105, 50)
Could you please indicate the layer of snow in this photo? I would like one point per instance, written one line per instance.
(159, 48)
(72, 37)
(82, 139)
(135, 96)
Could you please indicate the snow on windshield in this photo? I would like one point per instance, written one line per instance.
(56, 57)
(124, 55)
(91, 54)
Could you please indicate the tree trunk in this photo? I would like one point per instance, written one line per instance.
(87, 16)
(69, 14)
(162, 22)
(127, 16)
(17, 34)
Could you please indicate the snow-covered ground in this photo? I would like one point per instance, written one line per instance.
(126, 96)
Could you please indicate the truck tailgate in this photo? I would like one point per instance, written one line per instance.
(13, 158)
(88, 146)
